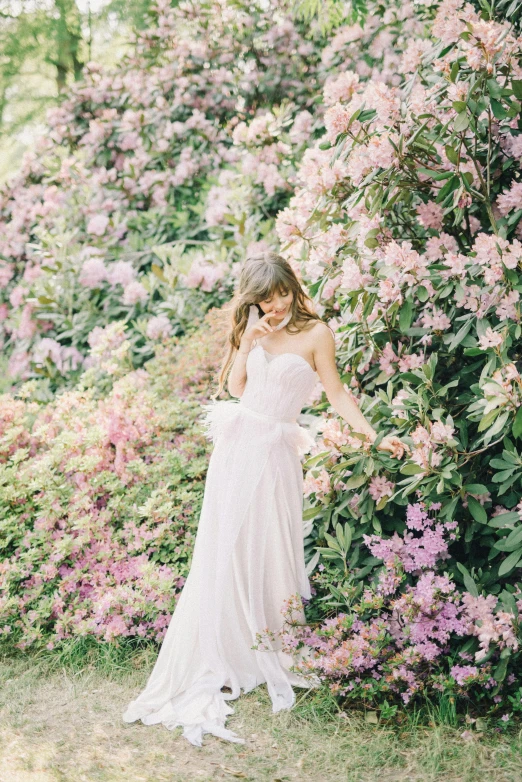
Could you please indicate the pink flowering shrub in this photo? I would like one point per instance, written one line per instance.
(123, 179)
(100, 497)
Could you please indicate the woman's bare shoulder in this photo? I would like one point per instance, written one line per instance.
(319, 336)
(320, 331)
(313, 325)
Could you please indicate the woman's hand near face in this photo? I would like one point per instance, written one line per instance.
(257, 329)
(238, 376)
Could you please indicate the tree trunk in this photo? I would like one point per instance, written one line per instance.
(69, 40)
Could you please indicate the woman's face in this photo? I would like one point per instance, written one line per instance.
(278, 303)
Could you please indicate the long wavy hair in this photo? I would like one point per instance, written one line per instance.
(259, 277)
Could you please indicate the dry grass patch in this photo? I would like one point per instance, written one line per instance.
(64, 725)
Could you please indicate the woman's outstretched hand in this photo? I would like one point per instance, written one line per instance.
(394, 445)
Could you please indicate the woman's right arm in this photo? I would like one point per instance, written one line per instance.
(238, 376)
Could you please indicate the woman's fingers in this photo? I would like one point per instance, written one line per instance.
(394, 445)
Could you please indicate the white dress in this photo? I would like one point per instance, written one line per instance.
(248, 558)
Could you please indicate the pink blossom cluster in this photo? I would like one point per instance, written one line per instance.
(317, 482)
(427, 451)
(490, 625)
(390, 362)
(380, 487)
(204, 275)
(464, 673)
(413, 552)
(109, 347)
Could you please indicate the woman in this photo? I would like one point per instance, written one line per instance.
(248, 555)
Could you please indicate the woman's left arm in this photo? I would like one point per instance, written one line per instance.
(341, 400)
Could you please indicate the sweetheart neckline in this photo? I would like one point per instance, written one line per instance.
(288, 353)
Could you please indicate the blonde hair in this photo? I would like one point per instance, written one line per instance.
(260, 276)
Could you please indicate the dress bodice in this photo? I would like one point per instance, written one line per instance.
(279, 384)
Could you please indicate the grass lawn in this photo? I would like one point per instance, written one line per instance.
(60, 721)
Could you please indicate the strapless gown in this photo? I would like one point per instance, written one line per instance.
(248, 558)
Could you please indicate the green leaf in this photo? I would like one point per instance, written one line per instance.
(451, 153)
(461, 122)
(355, 481)
(313, 461)
(516, 86)
(509, 602)
(468, 581)
(500, 464)
(499, 674)
(371, 243)
(477, 511)
(332, 542)
(406, 315)
(328, 553)
(347, 537)
(499, 477)
(448, 509)
(454, 71)
(158, 271)
(365, 115)
(517, 425)
(411, 469)
(513, 540)
(459, 106)
(422, 293)
(504, 519)
(497, 426)
(487, 420)
(475, 488)
(459, 336)
(494, 89)
(498, 109)
(451, 185)
(510, 562)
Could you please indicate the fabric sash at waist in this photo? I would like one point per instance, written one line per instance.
(220, 414)
(249, 410)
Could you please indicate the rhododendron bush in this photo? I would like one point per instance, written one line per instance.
(407, 228)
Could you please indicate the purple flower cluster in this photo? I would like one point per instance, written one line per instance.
(396, 638)
(413, 552)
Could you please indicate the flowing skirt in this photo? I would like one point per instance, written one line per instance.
(248, 560)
